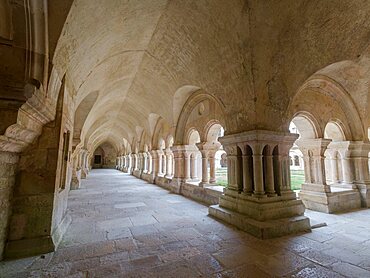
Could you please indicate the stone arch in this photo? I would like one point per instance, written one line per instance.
(307, 125)
(335, 131)
(179, 99)
(318, 94)
(193, 136)
(169, 141)
(211, 130)
(81, 114)
(197, 98)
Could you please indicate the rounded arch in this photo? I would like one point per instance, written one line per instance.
(193, 136)
(179, 99)
(192, 102)
(169, 141)
(306, 124)
(212, 131)
(334, 130)
(327, 99)
(161, 144)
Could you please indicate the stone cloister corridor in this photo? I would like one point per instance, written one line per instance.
(125, 227)
(171, 138)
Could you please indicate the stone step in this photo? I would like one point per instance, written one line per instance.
(262, 229)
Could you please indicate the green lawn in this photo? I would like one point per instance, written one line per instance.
(297, 178)
(221, 176)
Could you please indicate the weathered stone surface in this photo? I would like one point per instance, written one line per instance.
(189, 245)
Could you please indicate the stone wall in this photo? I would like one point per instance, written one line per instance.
(8, 165)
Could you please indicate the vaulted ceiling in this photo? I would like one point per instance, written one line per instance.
(129, 62)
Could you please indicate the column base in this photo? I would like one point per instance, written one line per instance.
(83, 173)
(338, 200)
(76, 180)
(267, 217)
(163, 182)
(148, 177)
(137, 173)
(262, 229)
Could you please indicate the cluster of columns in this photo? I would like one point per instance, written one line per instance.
(155, 163)
(344, 164)
(185, 163)
(259, 168)
(259, 198)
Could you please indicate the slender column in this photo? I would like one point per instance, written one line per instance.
(193, 162)
(307, 168)
(258, 173)
(232, 169)
(164, 164)
(150, 163)
(204, 167)
(159, 157)
(169, 164)
(270, 186)
(144, 158)
(135, 161)
(334, 169)
(187, 166)
(347, 170)
(212, 168)
(247, 184)
(313, 153)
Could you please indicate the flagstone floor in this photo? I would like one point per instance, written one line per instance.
(125, 227)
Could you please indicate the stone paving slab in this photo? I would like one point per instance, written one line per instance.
(125, 227)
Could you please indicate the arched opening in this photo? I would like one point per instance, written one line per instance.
(334, 155)
(195, 156)
(170, 165)
(104, 157)
(304, 127)
(217, 162)
(161, 157)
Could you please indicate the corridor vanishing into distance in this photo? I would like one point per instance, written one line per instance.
(125, 227)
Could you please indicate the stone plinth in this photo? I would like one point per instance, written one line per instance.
(259, 199)
(337, 200)
(262, 217)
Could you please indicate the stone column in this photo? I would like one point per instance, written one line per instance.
(164, 164)
(205, 180)
(155, 164)
(212, 168)
(264, 216)
(233, 171)
(358, 169)
(334, 168)
(160, 166)
(84, 169)
(179, 173)
(169, 162)
(313, 153)
(259, 187)
(270, 183)
(145, 163)
(150, 163)
(129, 163)
(247, 175)
(193, 163)
(317, 195)
(187, 166)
